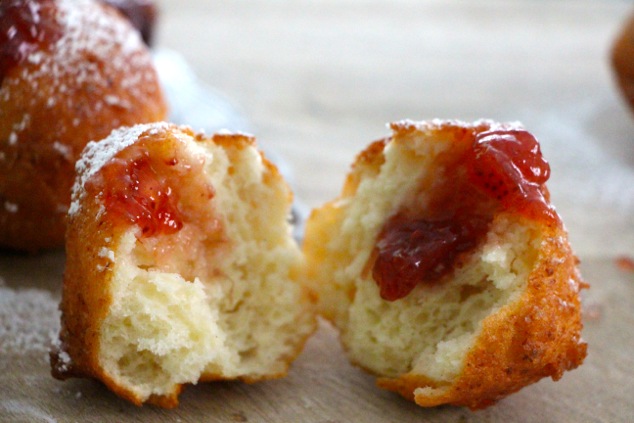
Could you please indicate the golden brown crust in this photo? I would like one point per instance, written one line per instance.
(538, 336)
(535, 336)
(46, 119)
(164, 401)
(86, 297)
(368, 161)
(622, 57)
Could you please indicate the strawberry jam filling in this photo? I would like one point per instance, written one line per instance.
(25, 27)
(500, 170)
(137, 191)
(509, 166)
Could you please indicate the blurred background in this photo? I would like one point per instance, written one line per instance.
(317, 81)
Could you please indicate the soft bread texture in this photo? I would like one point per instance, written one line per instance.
(509, 316)
(218, 299)
(98, 76)
(622, 56)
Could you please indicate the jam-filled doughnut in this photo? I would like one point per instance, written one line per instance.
(180, 267)
(70, 72)
(445, 267)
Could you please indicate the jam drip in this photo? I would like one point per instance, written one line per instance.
(25, 27)
(134, 193)
(501, 170)
(509, 166)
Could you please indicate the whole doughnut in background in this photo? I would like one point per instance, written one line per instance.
(70, 72)
(622, 56)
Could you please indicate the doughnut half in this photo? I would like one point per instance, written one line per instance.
(180, 267)
(494, 312)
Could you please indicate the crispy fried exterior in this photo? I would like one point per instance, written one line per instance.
(86, 298)
(88, 279)
(622, 56)
(51, 106)
(536, 335)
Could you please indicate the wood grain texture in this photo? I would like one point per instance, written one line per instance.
(318, 81)
(323, 387)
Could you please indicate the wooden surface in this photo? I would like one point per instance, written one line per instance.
(316, 82)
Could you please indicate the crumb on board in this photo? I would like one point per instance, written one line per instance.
(29, 320)
(625, 263)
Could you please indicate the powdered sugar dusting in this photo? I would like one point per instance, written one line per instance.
(29, 320)
(97, 154)
(11, 207)
(97, 49)
(63, 149)
(432, 124)
(63, 362)
(107, 253)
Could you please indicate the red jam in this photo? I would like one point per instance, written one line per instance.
(509, 166)
(412, 251)
(25, 27)
(501, 170)
(134, 192)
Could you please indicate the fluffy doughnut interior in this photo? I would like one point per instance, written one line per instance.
(429, 331)
(217, 299)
